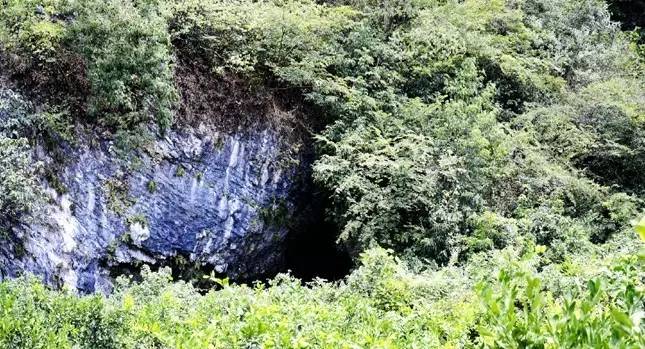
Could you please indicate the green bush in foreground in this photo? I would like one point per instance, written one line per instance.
(380, 305)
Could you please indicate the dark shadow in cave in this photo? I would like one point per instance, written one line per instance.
(311, 250)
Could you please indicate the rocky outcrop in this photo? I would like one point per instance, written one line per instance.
(215, 199)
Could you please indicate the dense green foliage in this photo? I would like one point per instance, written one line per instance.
(17, 169)
(472, 139)
(124, 47)
(381, 305)
(449, 121)
(15, 164)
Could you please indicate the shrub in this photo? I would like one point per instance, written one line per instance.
(124, 52)
(381, 304)
(129, 66)
(28, 28)
(518, 312)
(18, 184)
(19, 187)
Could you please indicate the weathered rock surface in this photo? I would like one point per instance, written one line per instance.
(215, 199)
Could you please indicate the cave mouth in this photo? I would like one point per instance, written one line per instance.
(311, 250)
(315, 254)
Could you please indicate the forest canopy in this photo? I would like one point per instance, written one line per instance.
(484, 161)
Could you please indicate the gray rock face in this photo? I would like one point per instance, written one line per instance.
(214, 199)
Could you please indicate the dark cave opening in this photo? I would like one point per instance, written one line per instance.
(316, 255)
(312, 251)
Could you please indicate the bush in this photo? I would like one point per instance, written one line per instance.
(121, 49)
(518, 312)
(28, 29)
(477, 107)
(18, 184)
(382, 304)
(19, 187)
(129, 65)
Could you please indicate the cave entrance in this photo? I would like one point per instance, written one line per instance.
(312, 251)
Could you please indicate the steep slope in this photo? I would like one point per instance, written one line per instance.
(221, 200)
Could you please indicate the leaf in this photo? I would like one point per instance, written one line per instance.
(128, 302)
(621, 318)
(640, 228)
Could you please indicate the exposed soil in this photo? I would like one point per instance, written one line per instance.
(64, 83)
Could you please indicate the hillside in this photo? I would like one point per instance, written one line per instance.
(183, 174)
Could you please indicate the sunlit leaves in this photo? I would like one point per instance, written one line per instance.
(640, 228)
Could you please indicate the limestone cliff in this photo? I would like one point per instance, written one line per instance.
(220, 200)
